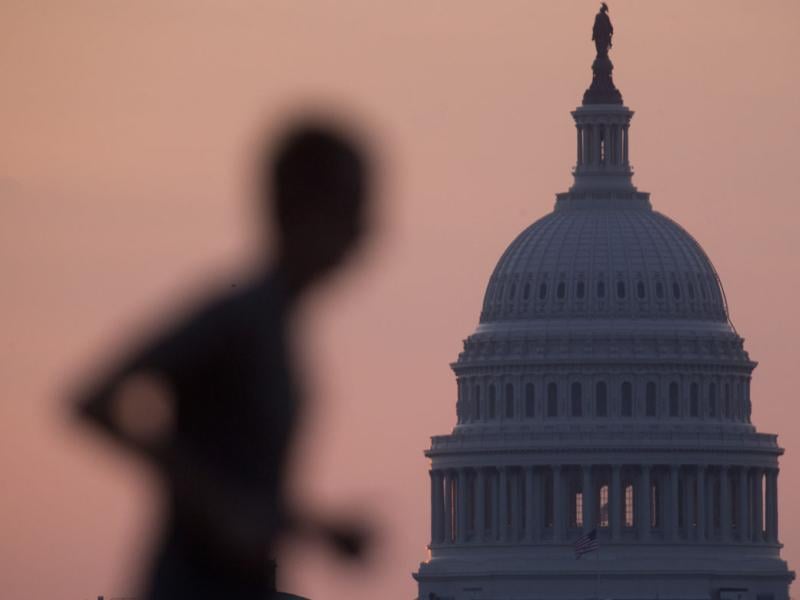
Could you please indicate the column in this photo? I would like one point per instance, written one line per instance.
(701, 503)
(758, 507)
(579, 129)
(772, 505)
(503, 505)
(615, 510)
(448, 507)
(724, 503)
(689, 516)
(495, 525)
(558, 505)
(461, 507)
(538, 497)
(598, 143)
(437, 507)
(742, 520)
(674, 500)
(530, 509)
(516, 504)
(625, 145)
(644, 503)
(587, 493)
(480, 505)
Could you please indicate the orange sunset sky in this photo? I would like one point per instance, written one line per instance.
(126, 131)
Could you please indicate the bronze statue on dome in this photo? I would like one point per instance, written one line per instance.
(602, 31)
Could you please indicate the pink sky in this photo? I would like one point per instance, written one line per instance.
(126, 128)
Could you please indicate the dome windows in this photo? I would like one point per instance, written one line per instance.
(576, 397)
(650, 399)
(659, 290)
(601, 399)
(530, 401)
(509, 401)
(580, 290)
(712, 400)
(552, 400)
(676, 290)
(674, 405)
(601, 289)
(561, 290)
(504, 401)
(542, 290)
(640, 290)
(526, 291)
(621, 290)
(626, 406)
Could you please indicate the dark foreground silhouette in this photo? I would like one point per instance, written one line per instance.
(212, 402)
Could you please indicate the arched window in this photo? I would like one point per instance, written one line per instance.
(580, 289)
(601, 399)
(576, 396)
(626, 409)
(552, 400)
(620, 289)
(650, 399)
(659, 290)
(629, 505)
(712, 400)
(640, 290)
(509, 401)
(561, 290)
(690, 289)
(601, 289)
(694, 400)
(526, 291)
(673, 399)
(530, 401)
(542, 291)
(676, 290)
(492, 401)
(476, 407)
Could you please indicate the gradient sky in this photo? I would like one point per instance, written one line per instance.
(126, 132)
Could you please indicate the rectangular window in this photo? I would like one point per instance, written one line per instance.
(603, 506)
(492, 400)
(629, 505)
(577, 520)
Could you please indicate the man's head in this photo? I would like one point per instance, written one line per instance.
(603, 7)
(315, 183)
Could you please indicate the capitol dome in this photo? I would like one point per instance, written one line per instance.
(599, 259)
(603, 405)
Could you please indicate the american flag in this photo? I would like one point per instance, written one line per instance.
(586, 543)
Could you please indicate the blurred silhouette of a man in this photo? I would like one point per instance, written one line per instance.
(212, 402)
